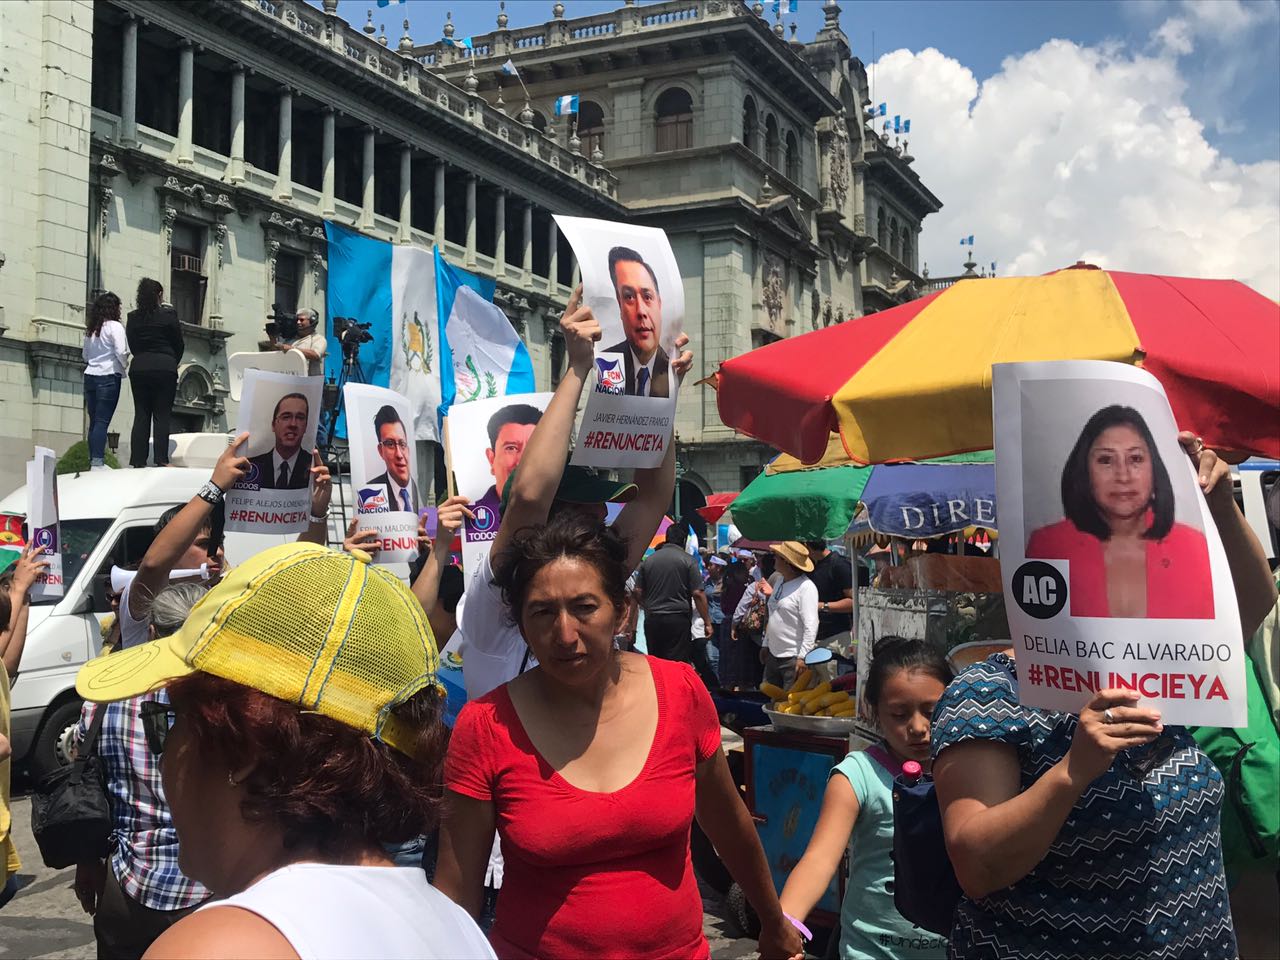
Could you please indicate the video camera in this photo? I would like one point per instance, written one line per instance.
(351, 333)
(282, 325)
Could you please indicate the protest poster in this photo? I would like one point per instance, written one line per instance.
(12, 539)
(632, 284)
(383, 456)
(42, 522)
(1114, 574)
(280, 413)
(486, 441)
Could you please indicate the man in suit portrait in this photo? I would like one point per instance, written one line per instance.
(285, 466)
(396, 452)
(640, 306)
(509, 431)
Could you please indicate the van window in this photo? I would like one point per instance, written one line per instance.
(1269, 481)
(79, 539)
(127, 552)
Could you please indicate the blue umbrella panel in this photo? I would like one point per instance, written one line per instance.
(923, 500)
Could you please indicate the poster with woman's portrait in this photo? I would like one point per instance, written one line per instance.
(280, 412)
(1114, 573)
(632, 284)
(383, 454)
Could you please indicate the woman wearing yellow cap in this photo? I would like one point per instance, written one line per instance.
(303, 733)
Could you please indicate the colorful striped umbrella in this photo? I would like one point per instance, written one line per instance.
(915, 381)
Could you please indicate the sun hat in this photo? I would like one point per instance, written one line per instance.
(795, 554)
(581, 485)
(325, 630)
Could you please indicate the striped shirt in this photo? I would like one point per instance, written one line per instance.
(144, 843)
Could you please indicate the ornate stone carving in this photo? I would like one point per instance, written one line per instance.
(220, 240)
(273, 251)
(839, 172)
(772, 295)
(317, 270)
(295, 225)
(840, 314)
(105, 197)
(170, 215)
(826, 312)
(816, 302)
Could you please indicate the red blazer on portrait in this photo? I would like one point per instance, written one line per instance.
(1179, 586)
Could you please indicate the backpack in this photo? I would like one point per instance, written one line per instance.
(925, 889)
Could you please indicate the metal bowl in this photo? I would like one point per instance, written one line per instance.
(835, 726)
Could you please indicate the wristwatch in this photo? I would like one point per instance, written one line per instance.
(323, 518)
(210, 493)
(825, 606)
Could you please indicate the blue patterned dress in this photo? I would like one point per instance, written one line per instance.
(1136, 870)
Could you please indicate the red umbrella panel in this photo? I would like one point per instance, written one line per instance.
(716, 506)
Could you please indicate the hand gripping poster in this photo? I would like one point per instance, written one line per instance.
(42, 522)
(383, 456)
(486, 441)
(632, 284)
(280, 413)
(1114, 574)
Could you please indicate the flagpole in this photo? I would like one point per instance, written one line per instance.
(450, 489)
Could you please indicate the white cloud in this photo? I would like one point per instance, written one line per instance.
(1092, 153)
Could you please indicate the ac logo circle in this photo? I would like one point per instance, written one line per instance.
(1039, 589)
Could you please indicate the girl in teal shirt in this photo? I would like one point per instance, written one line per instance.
(906, 679)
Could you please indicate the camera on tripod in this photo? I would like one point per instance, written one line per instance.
(351, 333)
(282, 325)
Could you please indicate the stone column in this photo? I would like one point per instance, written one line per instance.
(406, 194)
(129, 83)
(284, 162)
(186, 78)
(471, 220)
(500, 233)
(326, 165)
(438, 202)
(527, 265)
(236, 169)
(366, 204)
(553, 254)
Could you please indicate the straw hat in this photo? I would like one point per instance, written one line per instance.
(795, 554)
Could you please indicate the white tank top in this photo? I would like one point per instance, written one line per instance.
(330, 912)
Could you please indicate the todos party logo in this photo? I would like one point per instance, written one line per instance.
(610, 376)
(485, 519)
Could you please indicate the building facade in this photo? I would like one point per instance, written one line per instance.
(205, 143)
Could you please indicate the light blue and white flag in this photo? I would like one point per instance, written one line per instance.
(897, 123)
(967, 241)
(509, 68)
(882, 109)
(464, 42)
(387, 3)
(566, 104)
(391, 287)
(793, 6)
(483, 354)
(906, 126)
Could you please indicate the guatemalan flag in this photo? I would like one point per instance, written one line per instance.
(483, 354)
(566, 104)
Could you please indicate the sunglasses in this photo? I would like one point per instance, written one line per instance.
(157, 720)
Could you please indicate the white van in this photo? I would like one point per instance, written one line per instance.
(107, 518)
(1257, 485)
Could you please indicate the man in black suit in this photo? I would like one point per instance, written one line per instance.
(640, 306)
(284, 466)
(397, 453)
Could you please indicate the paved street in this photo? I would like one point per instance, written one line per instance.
(45, 921)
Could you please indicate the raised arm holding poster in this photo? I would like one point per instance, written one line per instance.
(632, 284)
(383, 454)
(486, 441)
(42, 522)
(1112, 565)
(280, 413)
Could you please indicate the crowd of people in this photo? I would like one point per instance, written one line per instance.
(276, 752)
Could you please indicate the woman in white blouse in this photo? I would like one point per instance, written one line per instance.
(106, 351)
(793, 614)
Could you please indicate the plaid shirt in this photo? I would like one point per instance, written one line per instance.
(144, 844)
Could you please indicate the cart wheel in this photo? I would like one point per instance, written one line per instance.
(740, 912)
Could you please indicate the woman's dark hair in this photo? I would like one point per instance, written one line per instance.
(106, 306)
(149, 295)
(1077, 494)
(891, 654)
(328, 785)
(736, 575)
(566, 535)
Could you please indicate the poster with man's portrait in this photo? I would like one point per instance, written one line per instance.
(383, 456)
(632, 284)
(486, 441)
(1114, 573)
(280, 412)
(42, 522)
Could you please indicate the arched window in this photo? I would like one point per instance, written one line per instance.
(771, 141)
(749, 121)
(591, 127)
(674, 120)
(882, 229)
(895, 246)
(793, 158)
(906, 246)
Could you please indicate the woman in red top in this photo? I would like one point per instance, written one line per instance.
(1127, 555)
(591, 767)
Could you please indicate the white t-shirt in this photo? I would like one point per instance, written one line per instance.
(793, 617)
(106, 353)
(316, 342)
(492, 647)
(132, 632)
(331, 912)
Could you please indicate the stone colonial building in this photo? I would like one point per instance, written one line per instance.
(204, 143)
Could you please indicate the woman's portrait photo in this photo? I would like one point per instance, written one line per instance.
(1129, 528)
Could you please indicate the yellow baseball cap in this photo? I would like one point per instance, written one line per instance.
(325, 630)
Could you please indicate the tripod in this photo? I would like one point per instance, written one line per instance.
(335, 450)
